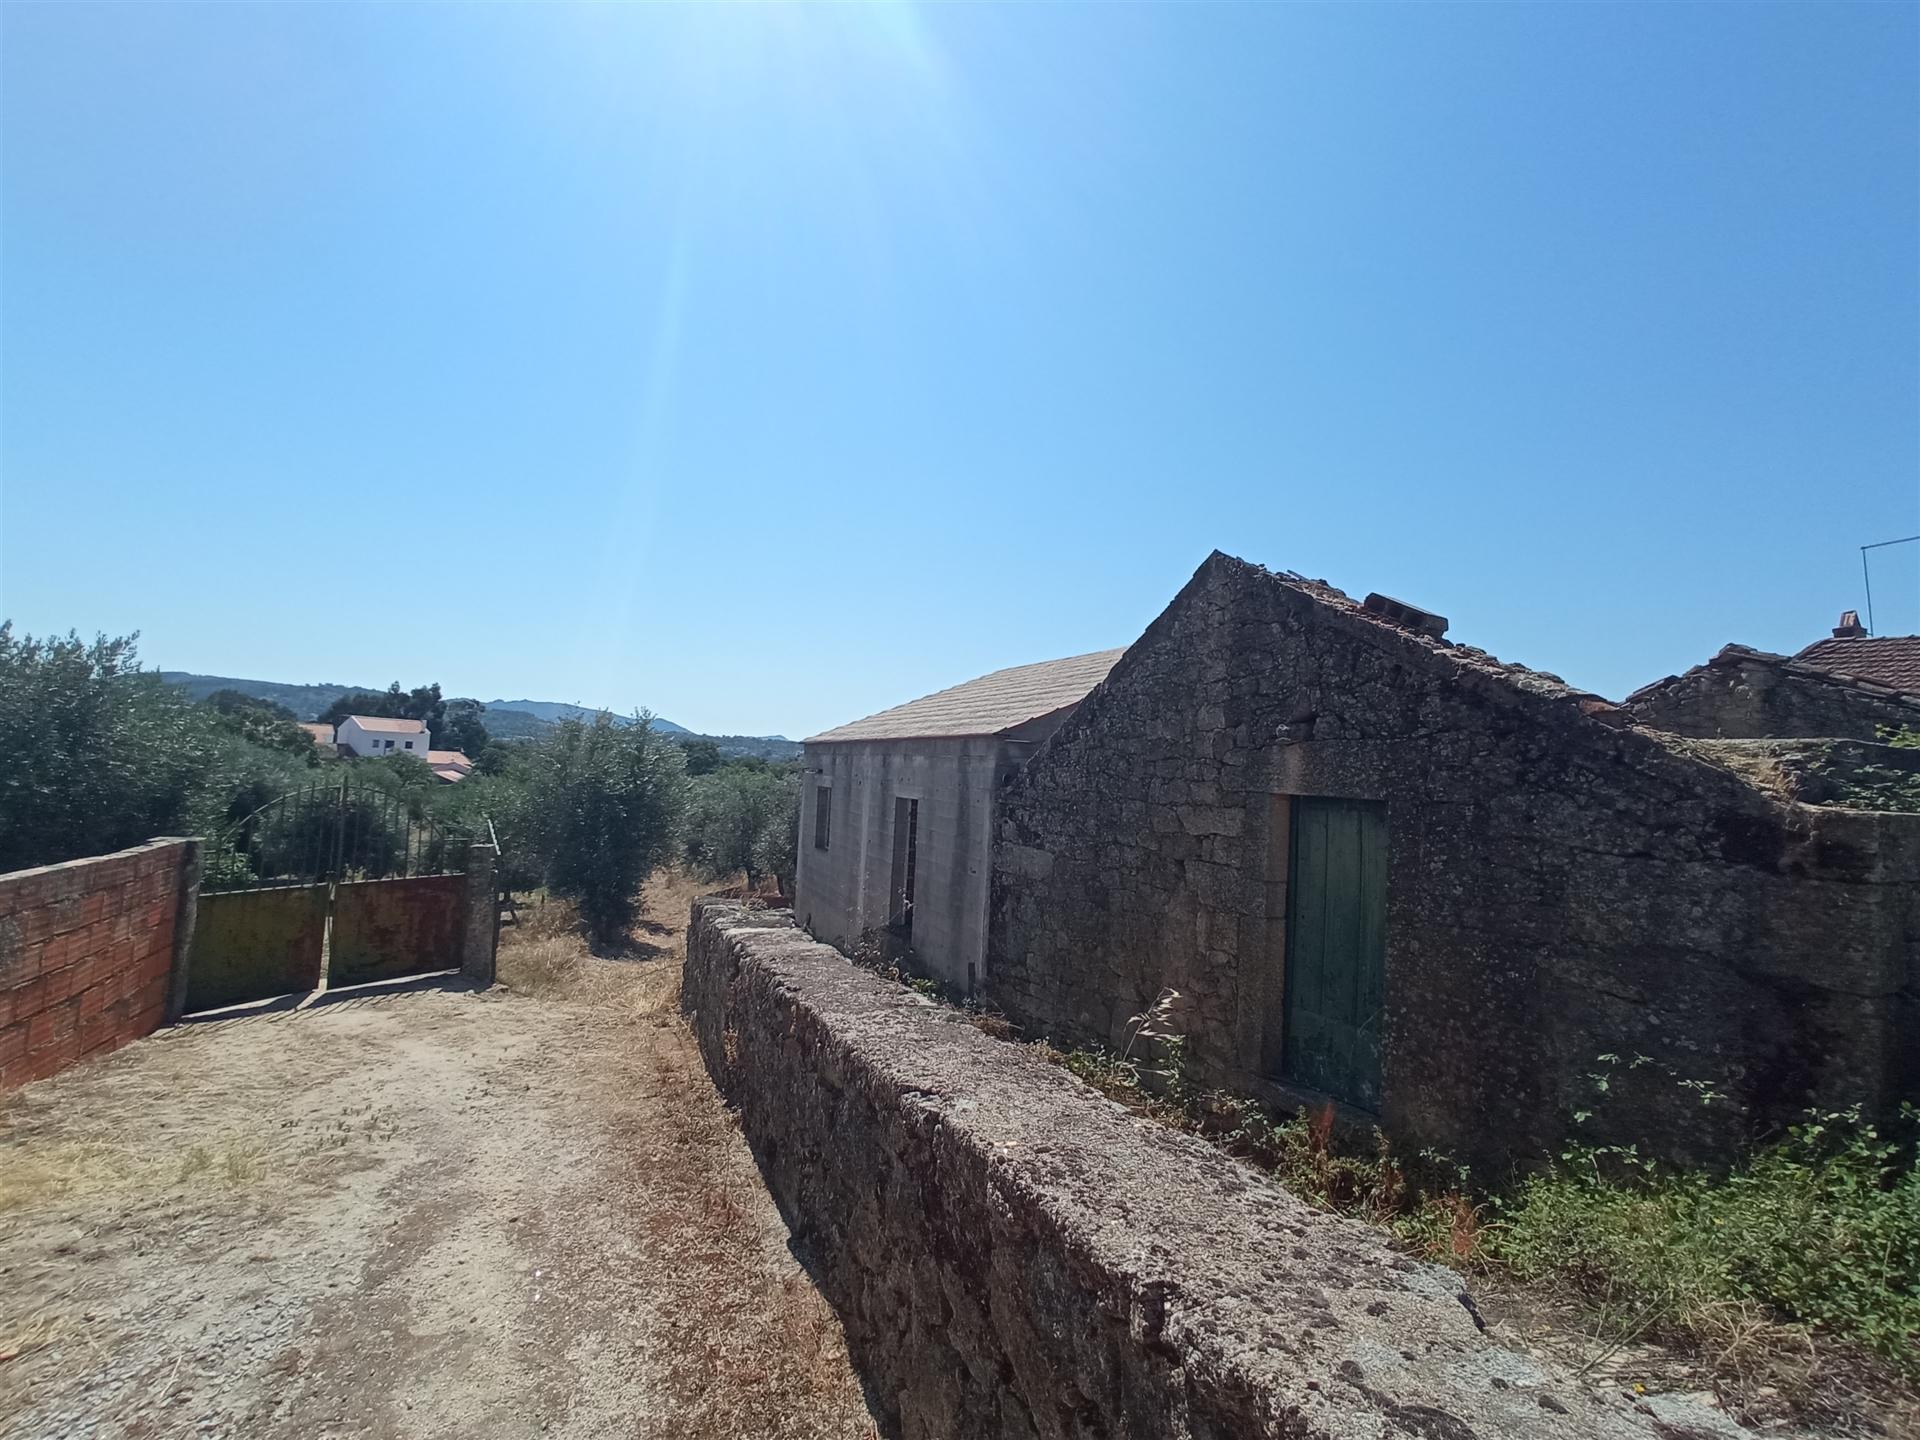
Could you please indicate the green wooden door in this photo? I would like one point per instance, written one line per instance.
(1336, 947)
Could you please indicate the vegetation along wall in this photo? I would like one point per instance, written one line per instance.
(1014, 1256)
(89, 951)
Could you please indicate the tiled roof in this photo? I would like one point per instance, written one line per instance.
(987, 706)
(1889, 660)
(455, 758)
(381, 725)
(322, 734)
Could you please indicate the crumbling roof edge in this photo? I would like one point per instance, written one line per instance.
(1733, 654)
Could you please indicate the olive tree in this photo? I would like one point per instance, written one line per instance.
(95, 754)
(743, 818)
(604, 802)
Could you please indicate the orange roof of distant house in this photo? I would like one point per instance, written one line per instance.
(451, 766)
(322, 734)
(382, 725)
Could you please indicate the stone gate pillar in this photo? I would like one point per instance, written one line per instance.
(483, 916)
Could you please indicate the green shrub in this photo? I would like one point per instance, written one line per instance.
(97, 754)
(603, 804)
(1822, 1228)
(743, 818)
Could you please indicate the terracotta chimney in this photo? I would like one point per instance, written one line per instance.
(1849, 627)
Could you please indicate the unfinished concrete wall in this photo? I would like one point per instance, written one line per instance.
(1560, 885)
(1014, 1256)
(845, 890)
(88, 954)
(1744, 694)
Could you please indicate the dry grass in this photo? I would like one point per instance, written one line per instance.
(760, 1353)
(546, 955)
(39, 1173)
(756, 1351)
(39, 1330)
(36, 1174)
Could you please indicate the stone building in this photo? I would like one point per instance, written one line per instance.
(896, 812)
(1388, 870)
(1852, 686)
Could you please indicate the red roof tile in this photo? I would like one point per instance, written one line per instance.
(1890, 660)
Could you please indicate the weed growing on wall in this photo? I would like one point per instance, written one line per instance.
(1816, 1235)
(1821, 1229)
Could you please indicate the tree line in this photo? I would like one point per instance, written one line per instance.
(97, 754)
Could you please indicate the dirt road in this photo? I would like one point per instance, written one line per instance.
(427, 1213)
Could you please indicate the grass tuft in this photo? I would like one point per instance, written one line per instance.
(1784, 1274)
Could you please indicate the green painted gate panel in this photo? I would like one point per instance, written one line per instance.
(1336, 947)
(254, 944)
(383, 929)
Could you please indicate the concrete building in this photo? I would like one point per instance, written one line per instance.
(897, 812)
(377, 735)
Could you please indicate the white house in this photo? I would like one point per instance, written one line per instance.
(376, 735)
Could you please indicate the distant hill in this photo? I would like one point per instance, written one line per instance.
(553, 711)
(514, 725)
(306, 701)
(776, 748)
(505, 719)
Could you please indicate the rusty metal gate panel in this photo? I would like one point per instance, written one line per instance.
(334, 883)
(254, 944)
(383, 929)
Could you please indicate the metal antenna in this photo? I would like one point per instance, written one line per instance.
(1867, 575)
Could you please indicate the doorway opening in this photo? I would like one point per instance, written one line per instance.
(906, 858)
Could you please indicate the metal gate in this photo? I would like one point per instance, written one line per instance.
(353, 883)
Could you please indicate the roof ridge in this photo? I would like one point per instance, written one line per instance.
(986, 705)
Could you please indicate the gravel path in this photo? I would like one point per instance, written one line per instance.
(431, 1212)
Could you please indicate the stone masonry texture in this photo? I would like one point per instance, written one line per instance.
(1015, 1256)
(1744, 694)
(1563, 883)
(87, 956)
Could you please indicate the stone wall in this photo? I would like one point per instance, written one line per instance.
(1744, 694)
(90, 953)
(1561, 885)
(1014, 1256)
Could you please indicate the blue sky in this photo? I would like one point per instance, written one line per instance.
(769, 365)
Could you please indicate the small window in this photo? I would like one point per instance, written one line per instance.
(409, 744)
(822, 816)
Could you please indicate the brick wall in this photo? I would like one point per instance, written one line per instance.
(86, 956)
